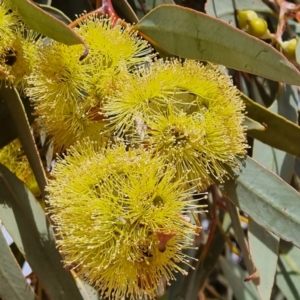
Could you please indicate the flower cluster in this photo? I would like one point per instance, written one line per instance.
(140, 135)
(129, 218)
(18, 47)
(15, 160)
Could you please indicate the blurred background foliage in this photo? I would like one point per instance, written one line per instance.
(249, 244)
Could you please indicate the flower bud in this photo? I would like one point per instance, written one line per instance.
(244, 16)
(258, 27)
(289, 48)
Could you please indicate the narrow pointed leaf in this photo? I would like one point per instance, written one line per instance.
(191, 34)
(280, 133)
(126, 9)
(288, 273)
(13, 284)
(16, 108)
(56, 13)
(253, 125)
(267, 199)
(264, 251)
(8, 130)
(25, 220)
(44, 23)
(235, 275)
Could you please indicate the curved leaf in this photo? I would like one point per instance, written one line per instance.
(264, 252)
(236, 275)
(191, 34)
(72, 8)
(253, 125)
(26, 222)
(13, 284)
(267, 199)
(288, 273)
(276, 160)
(56, 13)
(8, 130)
(280, 132)
(16, 108)
(126, 10)
(44, 23)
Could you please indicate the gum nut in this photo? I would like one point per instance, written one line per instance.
(257, 27)
(244, 16)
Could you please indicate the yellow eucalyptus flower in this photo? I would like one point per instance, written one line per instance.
(188, 113)
(14, 159)
(112, 44)
(120, 211)
(68, 94)
(8, 21)
(18, 57)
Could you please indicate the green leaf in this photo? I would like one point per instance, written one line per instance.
(126, 10)
(25, 220)
(16, 108)
(264, 251)
(44, 23)
(56, 13)
(276, 160)
(253, 125)
(235, 275)
(71, 7)
(191, 34)
(280, 132)
(267, 199)
(13, 284)
(8, 130)
(288, 273)
(239, 233)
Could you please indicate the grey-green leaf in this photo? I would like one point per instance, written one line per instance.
(44, 23)
(253, 125)
(13, 284)
(17, 112)
(264, 251)
(235, 275)
(26, 222)
(191, 34)
(280, 133)
(267, 199)
(56, 13)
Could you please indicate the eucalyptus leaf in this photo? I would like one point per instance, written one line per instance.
(190, 34)
(253, 125)
(264, 248)
(56, 13)
(235, 275)
(13, 284)
(44, 23)
(8, 130)
(276, 160)
(72, 8)
(267, 199)
(126, 10)
(280, 133)
(26, 222)
(16, 108)
(288, 272)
